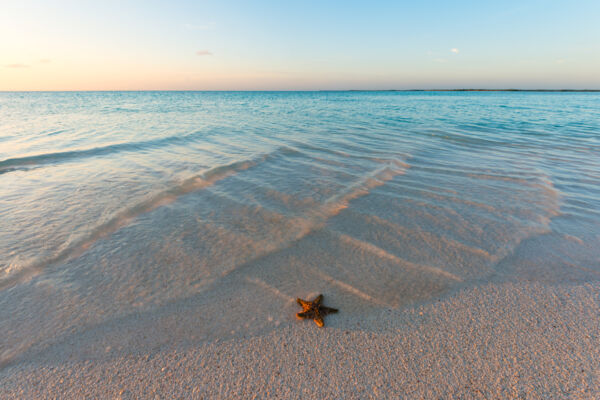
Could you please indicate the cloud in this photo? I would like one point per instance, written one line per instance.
(440, 60)
(17, 66)
(45, 61)
(204, 53)
(454, 50)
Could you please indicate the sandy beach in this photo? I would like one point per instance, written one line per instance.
(509, 341)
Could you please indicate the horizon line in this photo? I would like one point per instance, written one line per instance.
(308, 90)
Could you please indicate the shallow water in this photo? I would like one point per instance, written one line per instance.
(121, 203)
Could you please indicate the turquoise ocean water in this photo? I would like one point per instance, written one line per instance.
(115, 203)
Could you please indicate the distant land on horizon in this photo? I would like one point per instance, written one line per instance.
(477, 90)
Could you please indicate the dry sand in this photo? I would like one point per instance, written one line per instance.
(496, 341)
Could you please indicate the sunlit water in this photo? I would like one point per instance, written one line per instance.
(126, 202)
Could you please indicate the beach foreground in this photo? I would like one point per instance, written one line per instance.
(510, 340)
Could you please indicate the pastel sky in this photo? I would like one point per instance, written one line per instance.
(288, 45)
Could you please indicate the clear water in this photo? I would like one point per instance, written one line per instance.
(114, 203)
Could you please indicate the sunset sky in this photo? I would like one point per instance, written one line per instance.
(284, 45)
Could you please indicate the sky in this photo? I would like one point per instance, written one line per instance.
(298, 45)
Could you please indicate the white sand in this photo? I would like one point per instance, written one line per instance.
(511, 340)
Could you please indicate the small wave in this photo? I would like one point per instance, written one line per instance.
(337, 203)
(429, 238)
(351, 289)
(353, 152)
(381, 253)
(10, 169)
(321, 212)
(23, 163)
(12, 164)
(272, 289)
(462, 137)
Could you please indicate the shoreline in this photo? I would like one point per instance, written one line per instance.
(491, 341)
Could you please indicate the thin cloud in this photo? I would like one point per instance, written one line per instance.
(45, 61)
(204, 53)
(440, 60)
(17, 66)
(454, 50)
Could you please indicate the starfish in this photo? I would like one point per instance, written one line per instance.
(314, 310)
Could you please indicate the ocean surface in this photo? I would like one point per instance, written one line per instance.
(126, 205)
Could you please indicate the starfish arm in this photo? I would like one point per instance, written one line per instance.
(328, 310)
(319, 322)
(318, 300)
(302, 315)
(303, 303)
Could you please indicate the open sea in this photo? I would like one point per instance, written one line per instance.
(126, 205)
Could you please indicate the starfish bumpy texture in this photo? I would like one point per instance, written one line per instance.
(314, 310)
